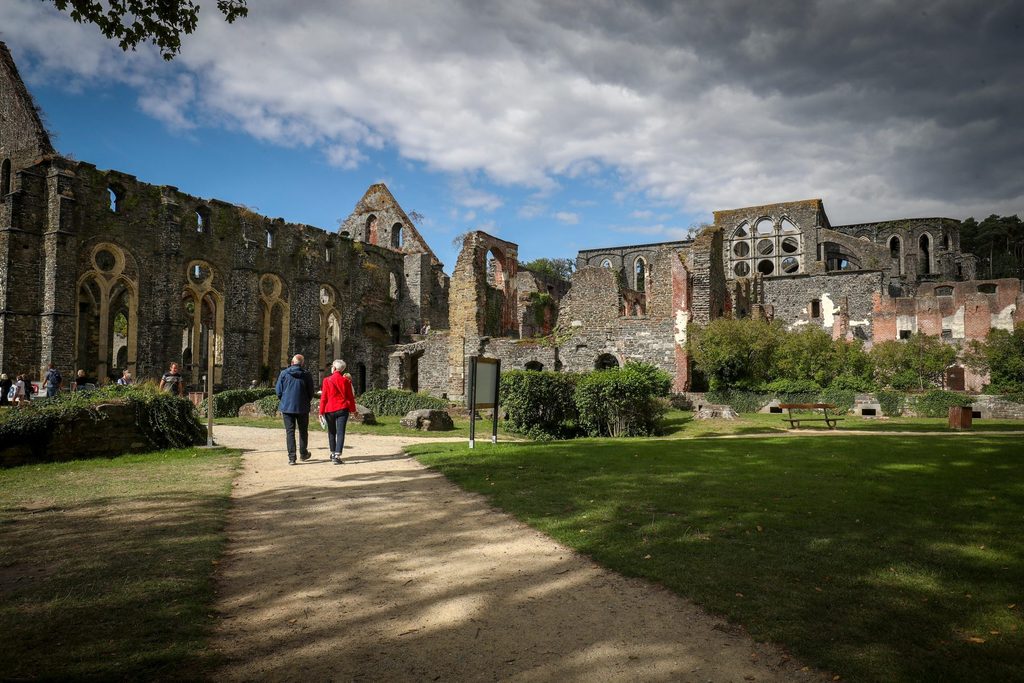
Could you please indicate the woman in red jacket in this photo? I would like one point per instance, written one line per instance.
(337, 400)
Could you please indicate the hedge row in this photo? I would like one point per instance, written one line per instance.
(935, 403)
(399, 402)
(628, 401)
(167, 421)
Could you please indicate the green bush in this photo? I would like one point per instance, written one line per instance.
(626, 401)
(854, 383)
(842, 399)
(399, 402)
(936, 403)
(167, 421)
(267, 406)
(539, 405)
(790, 386)
(227, 403)
(891, 402)
(741, 401)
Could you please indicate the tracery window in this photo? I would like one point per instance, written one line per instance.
(106, 323)
(765, 249)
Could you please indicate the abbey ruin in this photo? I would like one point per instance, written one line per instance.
(104, 272)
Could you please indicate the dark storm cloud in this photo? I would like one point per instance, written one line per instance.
(881, 108)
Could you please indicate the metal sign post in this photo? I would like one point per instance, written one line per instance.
(472, 401)
(209, 393)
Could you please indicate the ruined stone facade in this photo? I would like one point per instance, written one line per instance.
(106, 273)
(103, 272)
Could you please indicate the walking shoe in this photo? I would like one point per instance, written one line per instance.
(333, 456)
(291, 461)
(306, 456)
(339, 461)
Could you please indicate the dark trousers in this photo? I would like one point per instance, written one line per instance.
(291, 421)
(336, 423)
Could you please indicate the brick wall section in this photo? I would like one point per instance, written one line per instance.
(958, 307)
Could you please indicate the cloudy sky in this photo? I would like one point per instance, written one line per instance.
(557, 125)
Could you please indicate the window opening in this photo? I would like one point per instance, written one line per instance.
(926, 258)
(5, 179)
(606, 361)
(988, 288)
(396, 236)
(905, 334)
(764, 227)
(270, 239)
(766, 267)
(606, 263)
(815, 308)
(116, 195)
(641, 275)
(742, 269)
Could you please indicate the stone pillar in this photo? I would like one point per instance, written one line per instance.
(60, 295)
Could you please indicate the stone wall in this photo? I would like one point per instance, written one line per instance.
(791, 299)
(82, 438)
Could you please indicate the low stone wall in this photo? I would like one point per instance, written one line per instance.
(997, 408)
(83, 437)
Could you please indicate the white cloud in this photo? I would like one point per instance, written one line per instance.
(700, 106)
(567, 217)
(641, 214)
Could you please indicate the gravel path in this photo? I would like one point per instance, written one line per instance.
(381, 569)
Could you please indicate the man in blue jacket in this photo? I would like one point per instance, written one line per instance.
(295, 390)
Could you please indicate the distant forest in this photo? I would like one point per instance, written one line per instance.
(998, 242)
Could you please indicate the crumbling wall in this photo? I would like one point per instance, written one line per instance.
(23, 138)
(953, 310)
(791, 298)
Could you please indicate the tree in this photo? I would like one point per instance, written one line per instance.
(915, 363)
(559, 268)
(735, 354)
(1001, 354)
(998, 242)
(160, 22)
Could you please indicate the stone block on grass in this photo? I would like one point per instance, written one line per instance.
(427, 420)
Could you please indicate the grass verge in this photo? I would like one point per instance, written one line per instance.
(106, 566)
(895, 558)
(388, 427)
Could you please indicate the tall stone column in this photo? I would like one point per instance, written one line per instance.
(60, 295)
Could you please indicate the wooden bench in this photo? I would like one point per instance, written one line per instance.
(795, 420)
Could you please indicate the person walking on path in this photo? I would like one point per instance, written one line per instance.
(5, 387)
(125, 380)
(20, 397)
(294, 388)
(337, 400)
(52, 382)
(172, 381)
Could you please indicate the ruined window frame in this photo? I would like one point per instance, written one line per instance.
(5, 179)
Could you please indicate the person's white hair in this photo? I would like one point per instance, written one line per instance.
(339, 365)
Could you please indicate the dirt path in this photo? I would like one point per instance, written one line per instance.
(382, 570)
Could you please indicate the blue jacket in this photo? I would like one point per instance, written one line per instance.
(295, 389)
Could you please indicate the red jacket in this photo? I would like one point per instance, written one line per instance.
(336, 394)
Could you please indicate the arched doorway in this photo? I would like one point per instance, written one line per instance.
(606, 361)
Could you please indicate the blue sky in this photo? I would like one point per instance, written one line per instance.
(559, 125)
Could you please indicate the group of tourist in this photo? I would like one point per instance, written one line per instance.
(294, 388)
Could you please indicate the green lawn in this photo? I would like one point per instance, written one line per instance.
(388, 427)
(106, 566)
(882, 558)
(680, 424)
